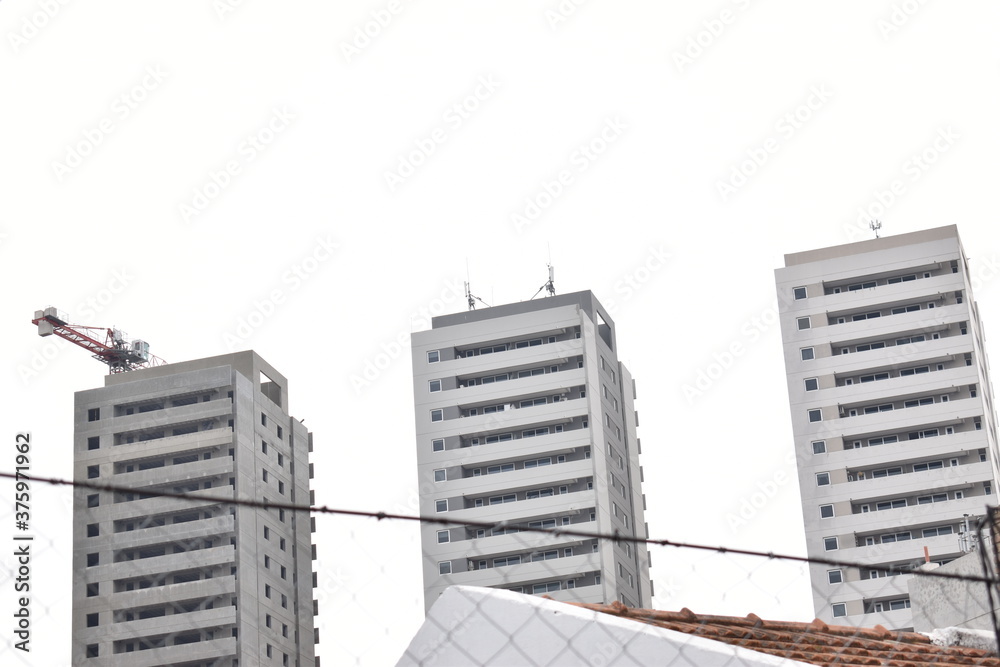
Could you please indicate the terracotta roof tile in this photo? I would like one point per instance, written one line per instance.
(816, 643)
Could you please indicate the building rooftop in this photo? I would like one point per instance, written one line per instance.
(814, 643)
(489, 628)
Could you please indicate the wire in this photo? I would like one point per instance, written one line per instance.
(434, 520)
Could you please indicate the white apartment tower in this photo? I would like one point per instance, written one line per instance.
(169, 581)
(892, 413)
(525, 417)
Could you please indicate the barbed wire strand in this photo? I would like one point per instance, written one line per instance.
(521, 527)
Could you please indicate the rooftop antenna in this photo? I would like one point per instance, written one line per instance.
(469, 296)
(550, 285)
(875, 226)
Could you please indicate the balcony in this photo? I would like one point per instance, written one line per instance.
(168, 563)
(189, 590)
(930, 383)
(159, 505)
(171, 623)
(176, 474)
(500, 392)
(487, 547)
(511, 419)
(523, 510)
(172, 655)
(525, 357)
(942, 447)
(222, 436)
(924, 289)
(904, 419)
(901, 519)
(912, 483)
(553, 474)
(219, 525)
(518, 448)
(888, 326)
(880, 587)
(555, 568)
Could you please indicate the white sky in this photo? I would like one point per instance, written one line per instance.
(74, 228)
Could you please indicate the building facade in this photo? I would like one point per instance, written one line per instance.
(892, 413)
(525, 417)
(169, 581)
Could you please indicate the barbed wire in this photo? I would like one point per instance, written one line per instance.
(615, 536)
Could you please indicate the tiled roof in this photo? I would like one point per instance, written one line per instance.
(816, 643)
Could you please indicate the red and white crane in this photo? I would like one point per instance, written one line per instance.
(116, 351)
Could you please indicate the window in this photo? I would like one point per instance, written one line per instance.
(807, 353)
(803, 323)
(934, 532)
(819, 447)
(545, 588)
(812, 384)
(825, 511)
(890, 538)
(437, 415)
(440, 475)
(264, 475)
(905, 309)
(93, 530)
(279, 433)
(94, 443)
(839, 609)
(433, 356)
(93, 559)
(890, 504)
(434, 385)
(437, 445)
(267, 591)
(830, 543)
(930, 465)
(441, 505)
(822, 479)
(866, 316)
(987, 488)
(933, 498)
(263, 419)
(835, 576)
(799, 293)
(93, 414)
(815, 415)
(444, 567)
(887, 472)
(94, 500)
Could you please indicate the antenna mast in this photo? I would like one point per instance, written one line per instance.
(875, 226)
(469, 296)
(550, 285)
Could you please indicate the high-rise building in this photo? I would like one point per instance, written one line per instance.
(171, 581)
(892, 413)
(525, 417)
